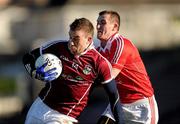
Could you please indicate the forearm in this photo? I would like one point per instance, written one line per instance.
(114, 99)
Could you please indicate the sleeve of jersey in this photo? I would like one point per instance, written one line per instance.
(104, 70)
(113, 94)
(52, 46)
(117, 53)
(29, 60)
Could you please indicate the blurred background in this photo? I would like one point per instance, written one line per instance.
(152, 25)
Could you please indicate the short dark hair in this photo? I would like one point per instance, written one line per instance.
(82, 23)
(114, 16)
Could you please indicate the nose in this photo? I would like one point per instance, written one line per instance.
(98, 26)
(71, 42)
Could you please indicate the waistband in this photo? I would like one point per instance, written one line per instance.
(141, 101)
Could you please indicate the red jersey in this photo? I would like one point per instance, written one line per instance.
(132, 82)
(69, 93)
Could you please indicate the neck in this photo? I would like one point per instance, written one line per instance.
(88, 46)
(103, 43)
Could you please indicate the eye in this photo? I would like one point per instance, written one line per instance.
(75, 38)
(103, 22)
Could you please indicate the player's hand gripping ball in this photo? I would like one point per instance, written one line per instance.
(48, 67)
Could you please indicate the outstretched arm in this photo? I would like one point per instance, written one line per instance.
(114, 99)
(39, 72)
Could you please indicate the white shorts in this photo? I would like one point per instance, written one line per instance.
(40, 113)
(144, 111)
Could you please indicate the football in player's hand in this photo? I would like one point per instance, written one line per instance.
(52, 62)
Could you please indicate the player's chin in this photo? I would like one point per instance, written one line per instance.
(99, 35)
(73, 50)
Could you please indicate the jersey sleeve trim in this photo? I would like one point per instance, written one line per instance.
(107, 81)
(40, 50)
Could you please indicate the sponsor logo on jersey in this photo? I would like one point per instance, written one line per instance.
(87, 69)
(75, 65)
(64, 58)
(79, 78)
(71, 78)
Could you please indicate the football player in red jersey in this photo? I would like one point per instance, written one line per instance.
(62, 100)
(134, 86)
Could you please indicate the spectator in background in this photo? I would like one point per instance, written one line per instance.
(135, 89)
(62, 100)
(4, 3)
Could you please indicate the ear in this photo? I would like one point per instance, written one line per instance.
(90, 39)
(115, 27)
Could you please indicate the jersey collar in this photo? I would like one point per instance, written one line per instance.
(108, 42)
(91, 46)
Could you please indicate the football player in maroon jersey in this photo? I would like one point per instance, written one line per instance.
(63, 99)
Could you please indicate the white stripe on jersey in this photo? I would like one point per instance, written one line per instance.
(79, 99)
(109, 65)
(40, 50)
(47, 92)
(119, 48)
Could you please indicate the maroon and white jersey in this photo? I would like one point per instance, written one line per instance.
(69, 93)
(132, 82)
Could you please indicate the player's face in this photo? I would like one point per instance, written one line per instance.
(104, 27)
(78, 41)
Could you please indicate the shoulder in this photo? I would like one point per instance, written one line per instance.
(120, 40)
(100, 59)
(125, 39)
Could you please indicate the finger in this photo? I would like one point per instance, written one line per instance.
(51, 70)
(41, 68)
(47, 75)
(52, 74)
(44, 65)
(50, 78)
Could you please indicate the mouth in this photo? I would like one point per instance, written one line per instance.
(99, 33)
(72, 48)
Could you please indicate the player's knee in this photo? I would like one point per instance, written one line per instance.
(105, 120)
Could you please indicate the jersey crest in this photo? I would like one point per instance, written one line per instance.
(87, 69)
